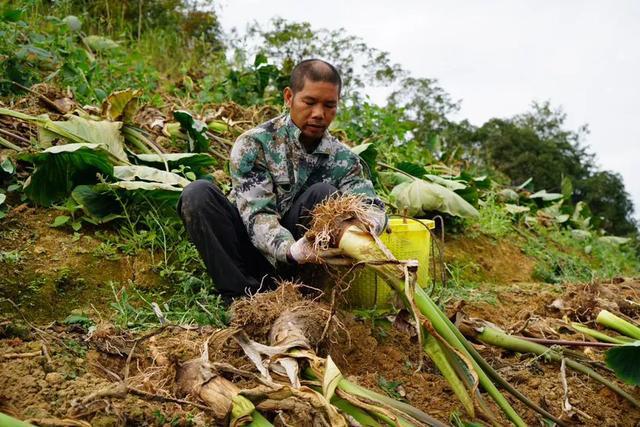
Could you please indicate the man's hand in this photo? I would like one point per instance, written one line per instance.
(302, 252)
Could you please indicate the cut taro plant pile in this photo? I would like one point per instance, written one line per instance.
(291, 384)
(341, 222)
(289, 368)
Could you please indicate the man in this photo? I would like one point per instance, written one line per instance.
(279, 170)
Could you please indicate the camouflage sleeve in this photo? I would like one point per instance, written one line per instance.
(256, 201)
(354, 182)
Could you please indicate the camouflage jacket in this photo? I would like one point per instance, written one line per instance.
(270, 167)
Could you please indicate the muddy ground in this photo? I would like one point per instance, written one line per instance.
(58, 374)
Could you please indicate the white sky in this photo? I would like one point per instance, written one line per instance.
(500, 55)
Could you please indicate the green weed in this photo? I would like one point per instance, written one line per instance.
(493, 221)
(462, 284)
(391, 388)
(11, 257)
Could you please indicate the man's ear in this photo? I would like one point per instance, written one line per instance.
(288, 96)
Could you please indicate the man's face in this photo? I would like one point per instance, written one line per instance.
(313, 108)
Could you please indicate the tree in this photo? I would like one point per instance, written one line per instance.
(538, 145)
(609, 202)
(427, 105)
(286, 43)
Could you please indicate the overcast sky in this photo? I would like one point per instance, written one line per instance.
(498, 56)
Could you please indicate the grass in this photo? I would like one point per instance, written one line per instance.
(493, 220)
(189, 295)
(561, 258)
(11, 257)
(462, 284)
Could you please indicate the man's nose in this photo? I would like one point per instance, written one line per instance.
(317, 112)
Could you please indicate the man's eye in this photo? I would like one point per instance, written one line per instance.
(309, 102)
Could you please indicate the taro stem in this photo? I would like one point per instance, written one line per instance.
(612, 321)
(362, 247)
(498, 338)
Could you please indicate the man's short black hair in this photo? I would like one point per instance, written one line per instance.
(315, 70)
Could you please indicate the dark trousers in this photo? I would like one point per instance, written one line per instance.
(216, 229)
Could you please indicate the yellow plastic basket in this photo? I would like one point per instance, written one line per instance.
(406, 239)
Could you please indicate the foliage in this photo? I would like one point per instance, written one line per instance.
(624, 362)
(419, 197)
(428, 106)
(287, 43)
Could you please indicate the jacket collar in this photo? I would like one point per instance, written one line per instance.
(324, 147)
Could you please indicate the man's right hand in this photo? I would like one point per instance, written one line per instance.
(302, 252)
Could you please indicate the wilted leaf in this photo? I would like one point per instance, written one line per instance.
(624, 362)
(581, 216)
(99, 43)
(195, 129)
(59, 169)
(547, 197)
(331, 378)
(420, 197)
(147, 173)
(359, 149)
(80, 130)
(121, 105)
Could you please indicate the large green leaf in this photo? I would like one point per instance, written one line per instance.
(195, 129)
(59, 169)
(624, 362)
(98, 202)
(412, 169)
(198, 162)
(419, 197)
(80, 130)
(147, 173)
